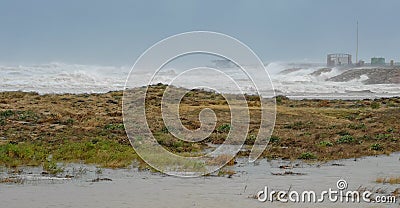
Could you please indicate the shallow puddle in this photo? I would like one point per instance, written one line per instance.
(93, 187)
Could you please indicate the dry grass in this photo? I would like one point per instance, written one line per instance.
(222, 160)
(390, 180)
(11, 180)
(323, 129)
(226, 172)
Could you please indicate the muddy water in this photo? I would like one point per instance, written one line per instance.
(131, 188)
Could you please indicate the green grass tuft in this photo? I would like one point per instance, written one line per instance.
(346, 139)
(307, 156)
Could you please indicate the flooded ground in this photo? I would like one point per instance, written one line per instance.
(88, 186)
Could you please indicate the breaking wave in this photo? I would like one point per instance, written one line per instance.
(290, 79)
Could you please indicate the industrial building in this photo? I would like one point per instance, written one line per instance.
(338, 59)
(342, 59)
(378, 61)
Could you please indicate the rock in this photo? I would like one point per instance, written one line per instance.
(112, 101)
(375, 75)
(320, 71)
(287, 173)
(279, 98)
(69, 176)
(101, 179)
(288, 71)
(337, 164)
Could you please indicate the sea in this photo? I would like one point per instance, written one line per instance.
(294, 80)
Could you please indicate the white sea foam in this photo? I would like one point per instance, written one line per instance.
(288, 79)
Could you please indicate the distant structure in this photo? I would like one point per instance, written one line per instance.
(343, 59)
(378, 61)
(338, 59)
(357, 61)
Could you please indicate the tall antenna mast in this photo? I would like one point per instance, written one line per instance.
(357, 46)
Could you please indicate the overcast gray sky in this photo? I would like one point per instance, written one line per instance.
(117, 32)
